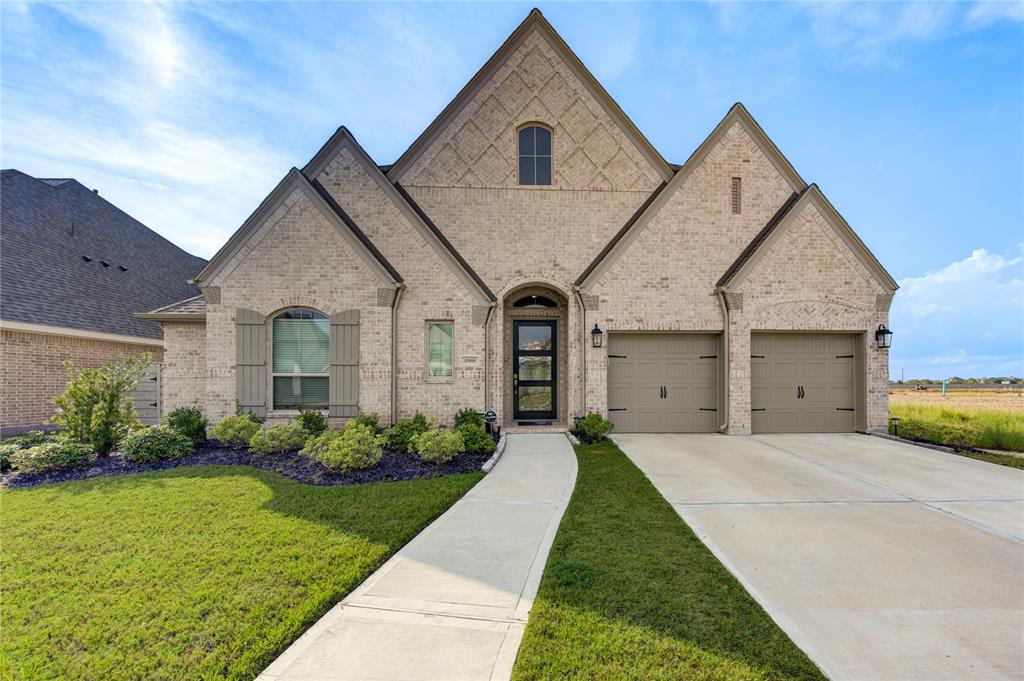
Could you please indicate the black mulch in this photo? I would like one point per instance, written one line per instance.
(292, 465)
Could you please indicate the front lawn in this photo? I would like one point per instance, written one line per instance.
(630, 592)
(193, 572)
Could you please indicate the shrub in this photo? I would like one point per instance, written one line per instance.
(312, 421)
(187, 421)
(284, 437)
(438, 446)
(372, 420)
(357, 446)
(6, 453)
(242, 412)
(468, 417)
(52, 456)
(401, 435)
(94, 409)
(593, 428)
(155, 444)
(235, 430)
(33, 438)
(317, 446)
(475, 439)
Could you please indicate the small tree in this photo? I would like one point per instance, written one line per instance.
(94, 408)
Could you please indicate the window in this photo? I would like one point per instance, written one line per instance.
(301, 344)
(534, 301)
(440, 349)
(737, 198)
(535, 156)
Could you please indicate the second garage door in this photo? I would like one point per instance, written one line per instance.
(802, 383)
(663, 383)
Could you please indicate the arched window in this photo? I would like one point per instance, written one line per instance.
(534, 301)
(535, 155)
(301, 345)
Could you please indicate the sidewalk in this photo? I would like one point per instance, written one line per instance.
(452, 604)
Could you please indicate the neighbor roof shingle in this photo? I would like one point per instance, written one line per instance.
(69, 258)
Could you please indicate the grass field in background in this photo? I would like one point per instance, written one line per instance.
(191, 573)
(630, 592)
(960, 426)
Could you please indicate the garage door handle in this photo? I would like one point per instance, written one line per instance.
(761, 409)
(619, 409)
(664, 392)
(706, 409)
(845, 409)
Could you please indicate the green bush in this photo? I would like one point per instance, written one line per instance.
(284, 437)
(94, 408)
(52, 456)
(356, 446)
(438, 446)
(593, 428)
(468, 417)
(312, 421)
(235, 431)
(371, 419)
(187, 421)
(155, 444)
(475, 439)
(33, 438)
(6, 453)
(401, 435)
(317, 446)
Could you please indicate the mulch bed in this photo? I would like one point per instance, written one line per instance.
(392, 466)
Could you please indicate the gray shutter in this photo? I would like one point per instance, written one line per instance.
(343, 398)
(251, 361)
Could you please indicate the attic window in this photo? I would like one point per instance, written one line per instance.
(86, 258)
(737, 196)
(534, 156)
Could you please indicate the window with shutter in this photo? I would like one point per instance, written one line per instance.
(301, 359)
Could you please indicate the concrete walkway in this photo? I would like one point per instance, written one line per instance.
(452, 604)
(882, 560)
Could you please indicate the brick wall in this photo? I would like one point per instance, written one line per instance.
(183, 381)
(32, 371)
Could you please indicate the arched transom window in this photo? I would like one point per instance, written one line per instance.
(535, 155)
(535, 301)
(301, 344)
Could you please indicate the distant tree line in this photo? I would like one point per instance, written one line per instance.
(957, 380)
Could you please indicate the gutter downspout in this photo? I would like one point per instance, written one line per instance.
(487, 356)
(394, 352)
(583, 351)
(720, 292)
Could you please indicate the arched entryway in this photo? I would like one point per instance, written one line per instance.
(535, 375)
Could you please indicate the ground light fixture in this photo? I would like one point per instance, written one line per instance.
(596, 336)
(894, 425)
(883, 336)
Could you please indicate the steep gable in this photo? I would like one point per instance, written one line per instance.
(533, 78)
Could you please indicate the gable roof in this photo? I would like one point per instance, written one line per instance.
(534, 21)
(343, 139)
(736, 114)
(328, 208)
(736, 272)
(56, 236)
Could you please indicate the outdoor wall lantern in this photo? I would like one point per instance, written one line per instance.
(596, 336)
(884, 336)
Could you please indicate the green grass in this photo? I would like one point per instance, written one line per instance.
(197, 572)
(961, 426)
(631, 593)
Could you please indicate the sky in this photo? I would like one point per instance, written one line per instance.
(910, 117)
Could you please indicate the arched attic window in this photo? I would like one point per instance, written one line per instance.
(300, 344)
(534, 155)
(534, 301)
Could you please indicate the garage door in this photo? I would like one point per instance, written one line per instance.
(662, 383)
(802, 383)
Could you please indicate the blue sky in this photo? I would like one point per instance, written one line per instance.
(909, 116)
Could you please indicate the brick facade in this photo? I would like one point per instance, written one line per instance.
(32, 371)
(661, 275)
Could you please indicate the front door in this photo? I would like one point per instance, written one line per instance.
(534, 370)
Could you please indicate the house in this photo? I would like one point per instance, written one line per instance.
(73, 269)
(532, 253)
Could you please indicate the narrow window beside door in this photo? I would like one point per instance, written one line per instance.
(440, 349)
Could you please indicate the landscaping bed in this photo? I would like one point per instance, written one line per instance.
(392, 466)
(630, 592)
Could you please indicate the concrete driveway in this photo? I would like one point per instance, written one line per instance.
(882, 560)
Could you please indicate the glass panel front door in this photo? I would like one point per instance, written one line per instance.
(534, 370)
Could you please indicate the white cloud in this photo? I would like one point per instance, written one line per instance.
(988, 12)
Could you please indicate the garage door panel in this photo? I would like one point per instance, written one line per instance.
(821, 364)
(685, 364)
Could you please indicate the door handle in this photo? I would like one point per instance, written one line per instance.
(664, 392)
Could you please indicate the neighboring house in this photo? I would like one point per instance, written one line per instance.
(530, 220)
(73, 269)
